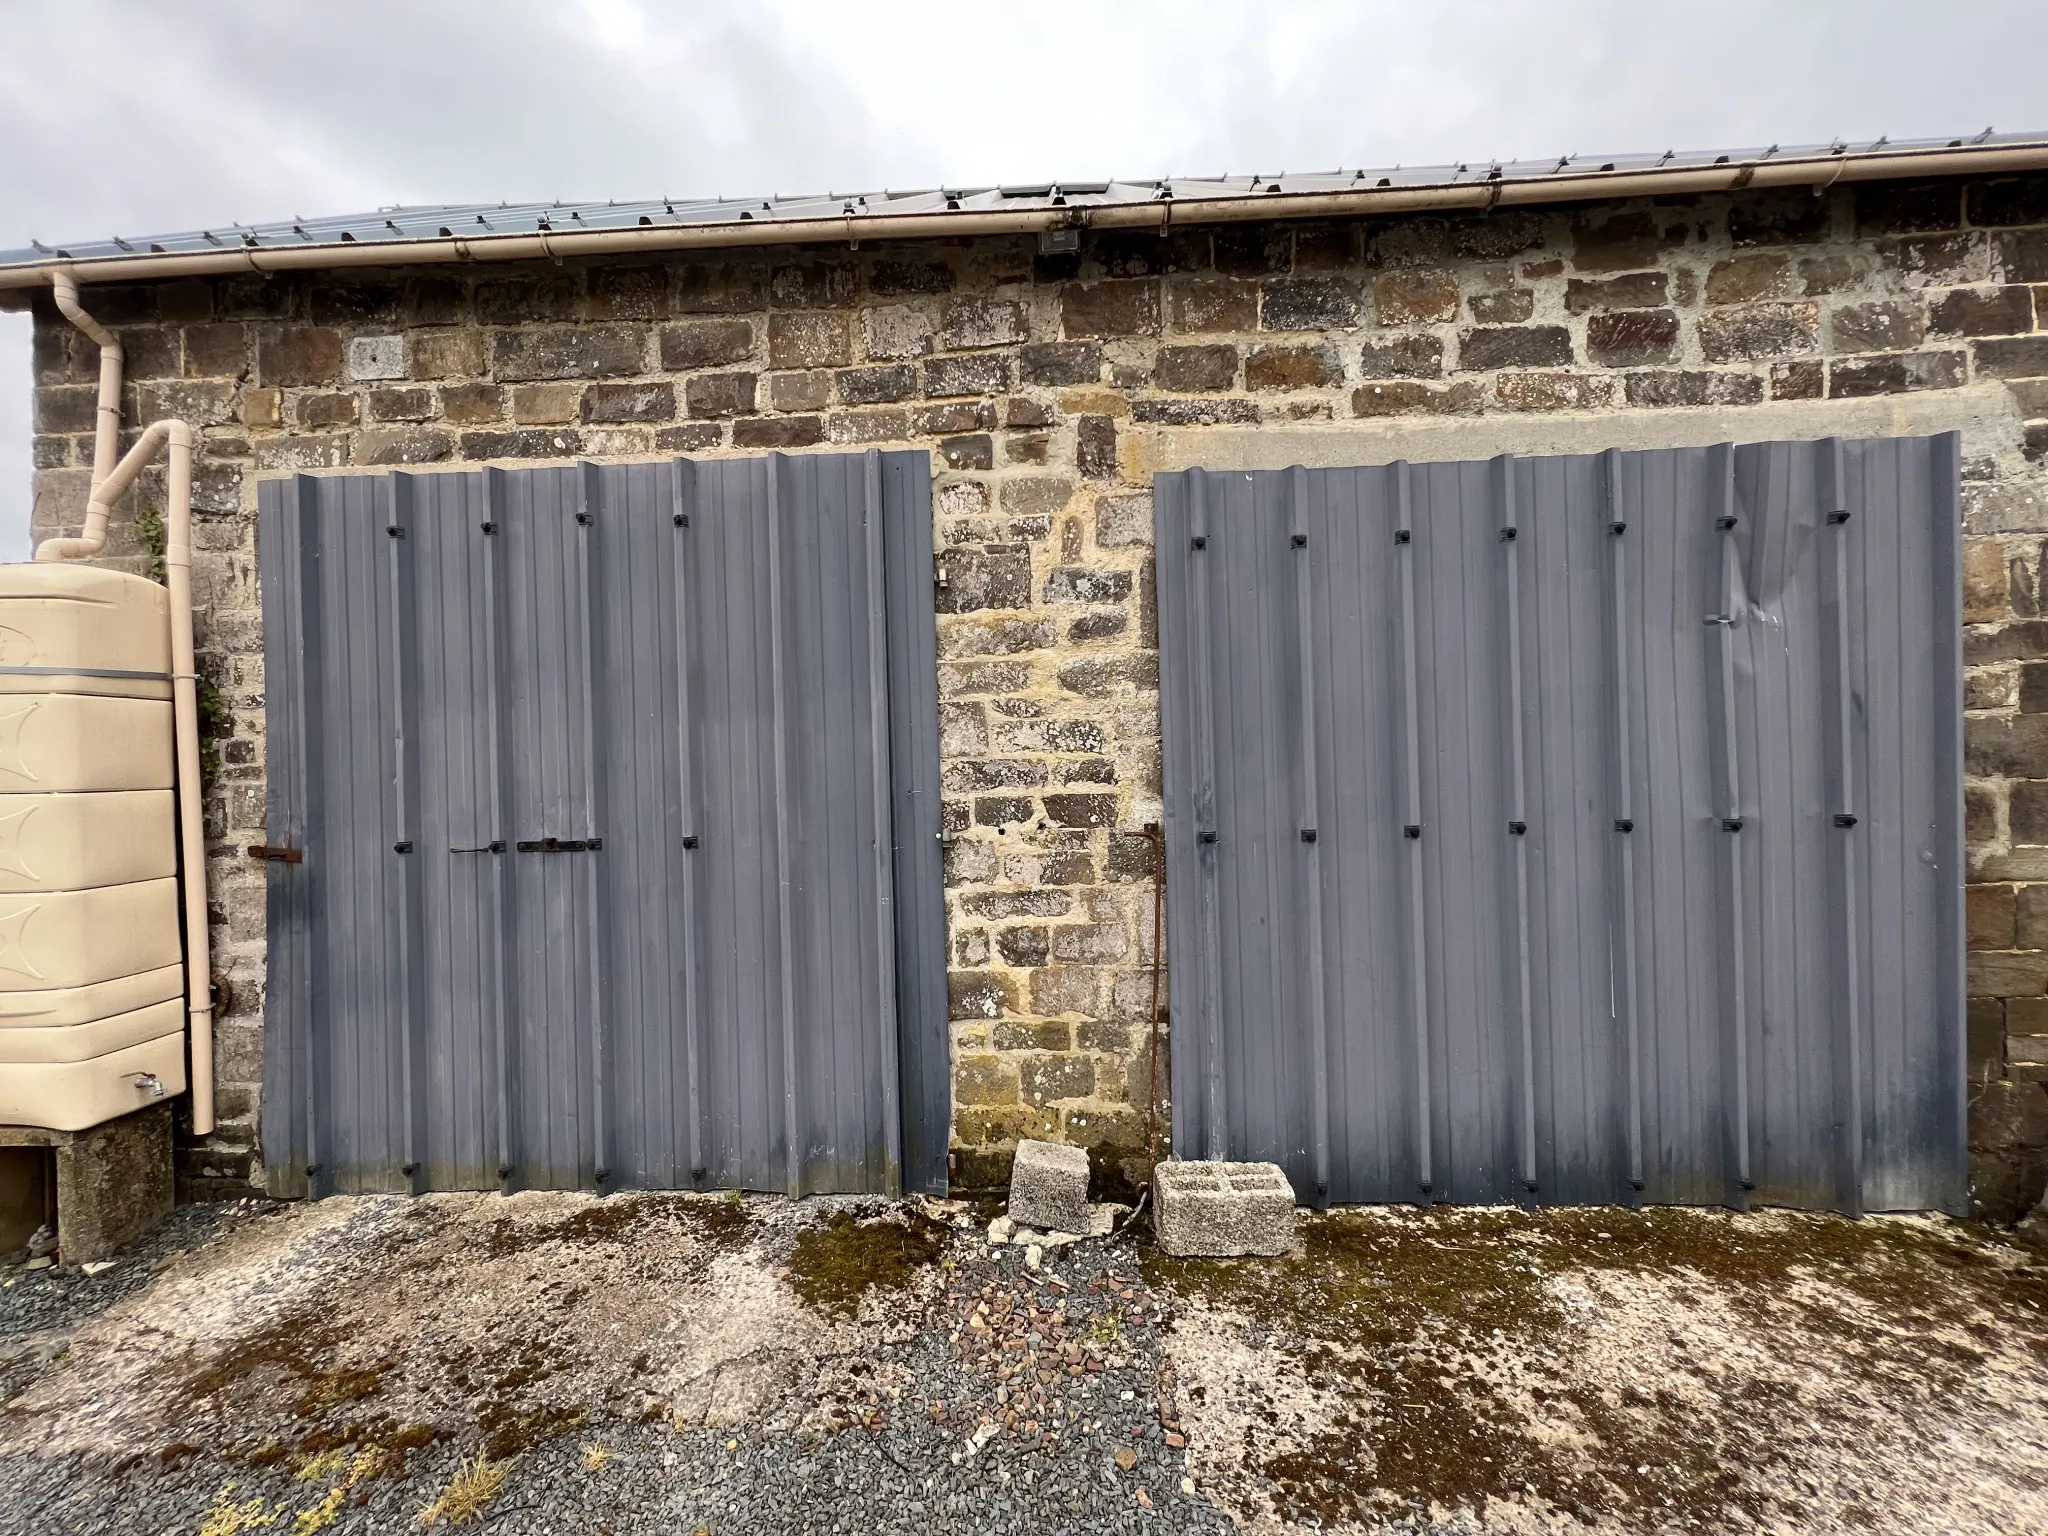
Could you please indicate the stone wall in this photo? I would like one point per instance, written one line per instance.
(1037, 382)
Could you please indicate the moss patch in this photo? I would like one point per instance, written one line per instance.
(622, 1220)
(1380, 1306)
(836, 1263)
(291, 1350)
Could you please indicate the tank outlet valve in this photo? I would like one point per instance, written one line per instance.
(149, 1083)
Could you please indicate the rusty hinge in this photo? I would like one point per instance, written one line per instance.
(276, 854)
(561, 845)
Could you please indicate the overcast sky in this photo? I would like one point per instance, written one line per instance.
(135, 117)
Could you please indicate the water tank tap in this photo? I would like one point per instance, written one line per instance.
(148, 1082)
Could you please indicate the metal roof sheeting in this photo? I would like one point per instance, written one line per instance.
(1531, 181)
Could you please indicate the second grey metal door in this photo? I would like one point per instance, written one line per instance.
(1571, 829)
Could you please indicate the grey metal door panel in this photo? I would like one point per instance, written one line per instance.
(716, 672)
(1409, 712)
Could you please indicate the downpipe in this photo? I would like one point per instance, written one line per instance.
(110, 481)
(107, 423)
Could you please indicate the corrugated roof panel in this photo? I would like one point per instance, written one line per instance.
(457, 220)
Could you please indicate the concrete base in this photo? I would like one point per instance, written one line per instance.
(1222, 1210)
(113, 1181)
(1049, 1187)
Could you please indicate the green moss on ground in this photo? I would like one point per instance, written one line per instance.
(836, 1263)
(1376, 1303)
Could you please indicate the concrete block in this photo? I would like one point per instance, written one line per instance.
(377, 357)
(1222, 1210)
(1049, 1187)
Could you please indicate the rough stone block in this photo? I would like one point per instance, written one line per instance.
(1900, 208)
(402, 445)
(1195, 369)
(445, 354)
(298, 355)
(720, 394)
(1214, 304)
(1194, 413)
(814, 339)
(897, 331)
(1527, 346)
(893, 279)
(2014, 200)
(546, 405)
(1403, 357)
(629, 293)
(1060, 362)
(778, 432)
(1511, 306)
(2023, 256)
(1415, 296)
(1989, 921)
(808, 391)
(1554, 391)
(1095, 447)
(1634, 290)
(876, 385)
(1896, 373)
(401, 404)
(568, 352)
(982, 322)
(1885, 325)
(1309, 304)
(1116, 307)
(1616, 242)
(1755, 331)
(1625, 336)
(1222, 1210)
(1049, 1187)
(705, 344)
(1804, 379)
(1693, 386)
(2021, 358)
(1747, 278)
(1287, 368)
(1400, 397)
(979, 373)
(114, 1181)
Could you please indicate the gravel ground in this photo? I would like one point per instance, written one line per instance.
(998, 1400)
(40, 1309)
(695, 1364)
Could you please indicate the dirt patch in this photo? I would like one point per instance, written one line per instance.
(1635, 1371)
(834, 1265)
(492, 1322)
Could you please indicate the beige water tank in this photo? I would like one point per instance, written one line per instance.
(91, 977)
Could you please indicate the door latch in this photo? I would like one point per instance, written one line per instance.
(276, 853)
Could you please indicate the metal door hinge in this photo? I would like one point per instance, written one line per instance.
(277, 854)
(561, 845)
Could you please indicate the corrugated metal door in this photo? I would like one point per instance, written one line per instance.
(1573, 829)
(617, 793)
